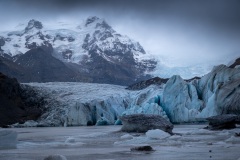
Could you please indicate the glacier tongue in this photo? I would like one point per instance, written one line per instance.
(74, 104)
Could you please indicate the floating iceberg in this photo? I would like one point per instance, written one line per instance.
(157, 134)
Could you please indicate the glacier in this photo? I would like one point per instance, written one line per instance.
(179, 101)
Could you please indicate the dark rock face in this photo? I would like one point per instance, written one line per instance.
(41, 66)
(33, 24)
(144, 122)
(103, 71)
(2, 41)
(226, 121)
(192, 79)
(142, 148)
(116, 65)
(11, 69)
(91, 20)
(67, 54)
(13, 108)
(45, 45)
(38, 65)
(146, 83)
(55, 157)
(237, 62)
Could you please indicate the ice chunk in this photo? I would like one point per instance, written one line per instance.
(224, 133)
(126, 136)
(118, 122)
(157, 134)
(29, 123)
(175, 137)
(70, 140)
(221, 143)
(102, 121)
(8, 139)
(233, 140)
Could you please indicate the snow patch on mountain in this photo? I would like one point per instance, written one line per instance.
(68, 40)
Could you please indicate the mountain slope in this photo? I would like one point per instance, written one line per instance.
(41, 66)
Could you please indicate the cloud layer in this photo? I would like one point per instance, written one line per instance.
(187, 32)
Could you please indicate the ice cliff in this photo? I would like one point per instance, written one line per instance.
(180, 100)
(216, 93)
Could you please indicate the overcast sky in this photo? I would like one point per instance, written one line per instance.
(184, 32)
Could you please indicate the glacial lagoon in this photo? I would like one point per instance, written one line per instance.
(107, 143)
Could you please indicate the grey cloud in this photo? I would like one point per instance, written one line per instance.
(192, 30)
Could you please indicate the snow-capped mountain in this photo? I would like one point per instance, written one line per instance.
(93, 48)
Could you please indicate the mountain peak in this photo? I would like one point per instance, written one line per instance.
(33, 24)
(91, 19)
